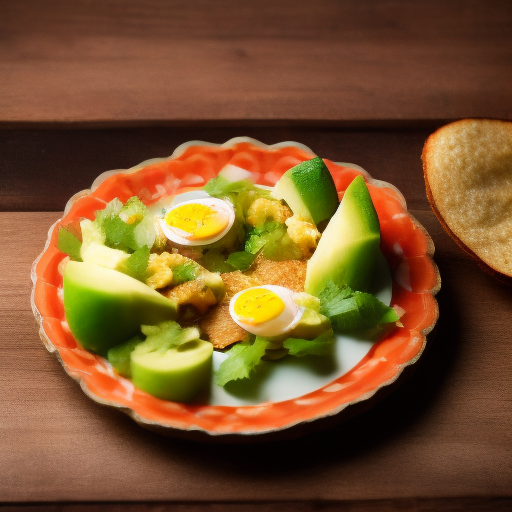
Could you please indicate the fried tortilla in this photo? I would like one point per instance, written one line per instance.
(290, 273)
(218, 325)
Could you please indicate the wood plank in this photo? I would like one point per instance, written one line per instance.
(410, 505)
(42, 169)
(158, 61)
(444, 433)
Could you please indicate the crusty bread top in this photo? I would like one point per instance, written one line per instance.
(468, 175)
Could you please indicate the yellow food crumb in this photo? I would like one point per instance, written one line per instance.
(160, 268)
(194, 293)
(266, 210)
(303, 233)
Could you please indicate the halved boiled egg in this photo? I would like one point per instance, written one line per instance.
(199, 221)
(265, 310)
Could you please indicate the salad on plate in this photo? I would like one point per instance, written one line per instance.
(233, 290)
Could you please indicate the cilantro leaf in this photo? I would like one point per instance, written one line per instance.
(320, 346)
(184, 272)
(349, 310)
(136, 265)
(119, 235)
(69, 243)
(242, 360)
(241, 260)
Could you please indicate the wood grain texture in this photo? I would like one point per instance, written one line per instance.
(408, 505)
(444, 433)
(42, 169)
(130, 61)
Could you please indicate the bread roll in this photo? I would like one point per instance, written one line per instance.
(468, 176)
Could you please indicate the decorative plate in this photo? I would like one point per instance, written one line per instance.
(363, 367)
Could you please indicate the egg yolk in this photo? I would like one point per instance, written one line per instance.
(198, 221)
(258, 305)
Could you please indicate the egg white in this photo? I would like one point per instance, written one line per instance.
(285, 322)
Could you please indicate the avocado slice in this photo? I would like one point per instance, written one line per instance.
(309, 190)
(104, 307)
(310, 326)
(178, 373)
(347, 251)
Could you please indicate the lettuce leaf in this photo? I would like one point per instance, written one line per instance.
(127, 227)
(273, 240)
(242, 360)
(351, 310)
(320, 346)
(69, 243)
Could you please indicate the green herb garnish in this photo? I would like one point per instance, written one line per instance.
(69, 243)
(242, 360)
(184, 272)
(137, 264)
(320, 346)
(241, 260)
(351, 310)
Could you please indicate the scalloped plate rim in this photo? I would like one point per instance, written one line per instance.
(169, 428)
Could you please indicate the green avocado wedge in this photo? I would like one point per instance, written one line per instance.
(104, 307)
(310, 325)
(309, 190)
(349, 246)
(177, 374)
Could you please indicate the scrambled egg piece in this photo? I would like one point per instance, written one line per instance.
(192, 297)
(160, 269)
(303, 233)
(194, 293)
(265, 210)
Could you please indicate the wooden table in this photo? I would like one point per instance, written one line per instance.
(91, 86)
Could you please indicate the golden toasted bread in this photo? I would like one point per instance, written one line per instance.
(468, 176)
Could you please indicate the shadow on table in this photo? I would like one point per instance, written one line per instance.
(393, 417)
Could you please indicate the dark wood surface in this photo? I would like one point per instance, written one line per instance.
(351, 60)
(91, 86)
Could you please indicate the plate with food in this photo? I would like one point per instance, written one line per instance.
(236, 290)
